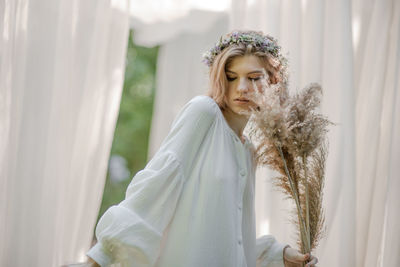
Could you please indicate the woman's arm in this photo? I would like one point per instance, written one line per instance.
(269, 252)
(131, 232)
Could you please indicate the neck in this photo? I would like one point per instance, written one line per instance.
(236, 122)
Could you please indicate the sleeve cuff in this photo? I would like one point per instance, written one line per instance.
(277, 253)
(270, 252)
(98, 255)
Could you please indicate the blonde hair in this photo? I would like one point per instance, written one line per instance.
(217, 77)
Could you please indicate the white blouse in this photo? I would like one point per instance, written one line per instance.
(193, 203)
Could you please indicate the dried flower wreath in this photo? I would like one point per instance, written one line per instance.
(262, 42)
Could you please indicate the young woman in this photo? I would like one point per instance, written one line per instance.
(193, 203)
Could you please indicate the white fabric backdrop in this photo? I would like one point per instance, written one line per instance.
(61, 75)
(377, 130)
(352, 49)
(61, 78)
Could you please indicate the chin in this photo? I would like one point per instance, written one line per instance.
(241, 111)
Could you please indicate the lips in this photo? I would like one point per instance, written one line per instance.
(242, 99)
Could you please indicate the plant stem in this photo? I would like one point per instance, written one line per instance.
(297, 201)
(307, 201)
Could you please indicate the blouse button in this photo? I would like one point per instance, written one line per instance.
(242, 172)
(240, 241)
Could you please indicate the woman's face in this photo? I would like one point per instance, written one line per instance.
(241, 73)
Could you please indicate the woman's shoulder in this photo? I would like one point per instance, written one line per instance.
(202, 105)
(203, 101)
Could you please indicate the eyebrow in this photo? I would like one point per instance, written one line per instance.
(255, 71)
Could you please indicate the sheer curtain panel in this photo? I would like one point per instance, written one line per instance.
(61, 76)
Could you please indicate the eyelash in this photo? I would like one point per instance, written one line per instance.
(254, 79)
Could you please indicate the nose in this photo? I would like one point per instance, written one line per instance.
(244, 85)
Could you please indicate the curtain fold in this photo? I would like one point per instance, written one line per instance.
(376, 125)
(61, 76)
(159, 21)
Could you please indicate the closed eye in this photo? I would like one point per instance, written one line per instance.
(251, 79)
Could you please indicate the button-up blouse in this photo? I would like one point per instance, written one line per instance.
(193, 203)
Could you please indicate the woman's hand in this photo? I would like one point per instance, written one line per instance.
(89, 263)
(293, 258)
(92, 262)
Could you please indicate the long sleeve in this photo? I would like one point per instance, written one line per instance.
(189, 129)
(130, 233)
(269, 252)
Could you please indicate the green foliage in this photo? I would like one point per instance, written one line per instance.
(132, 131)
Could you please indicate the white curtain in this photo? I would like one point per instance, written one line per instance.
(61, 75)
(351, 48)
(377, 129)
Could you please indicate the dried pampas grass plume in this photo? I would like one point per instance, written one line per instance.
(290, 137)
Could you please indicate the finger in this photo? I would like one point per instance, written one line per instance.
(313, 261)
(298, 257)
(303, 257)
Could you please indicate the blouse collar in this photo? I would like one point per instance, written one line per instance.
(230, 130)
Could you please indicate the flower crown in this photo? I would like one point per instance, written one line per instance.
(265, 43)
